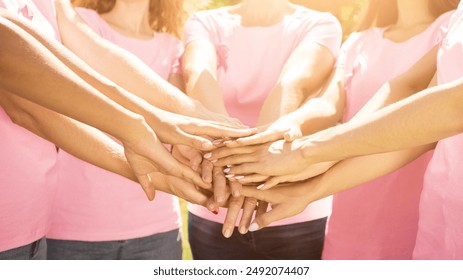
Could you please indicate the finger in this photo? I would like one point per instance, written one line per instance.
(225, 152)
(233, 212)
(237, 159)
(206, 171)
(148, 186)
(220, 185)
(246, 168)
(265, 219)
(255, 193)
(261, 208)
(235, 188)
(187, 174)
(252, 178)
(194, 141)
(260, 138)
(249, 207)
(219, 130)
(272, 182)
(292, 134)
(179, 155)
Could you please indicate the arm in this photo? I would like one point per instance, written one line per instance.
(200, 75)
(172, 128)
(291, 199)
(121, 66)
(24, 58)
(425, 117)
(416, 79)
(92, 146)
(301, 78)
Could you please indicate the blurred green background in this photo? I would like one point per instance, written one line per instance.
(347, 12)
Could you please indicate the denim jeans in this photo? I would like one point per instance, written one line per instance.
(160, 246)
(34, 251)
(301, 241)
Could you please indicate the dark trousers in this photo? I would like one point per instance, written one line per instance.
(301, 241)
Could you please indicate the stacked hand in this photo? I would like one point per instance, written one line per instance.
(243, 169)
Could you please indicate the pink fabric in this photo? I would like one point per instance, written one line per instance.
(440, 230)
(27, 183)
(162, 53)
(250, 60)
(379, 219)
(104, 206)
(47, 9)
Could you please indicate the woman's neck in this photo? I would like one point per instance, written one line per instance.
(262, 12)
(414, 16)
(130, 18)
(413, 12)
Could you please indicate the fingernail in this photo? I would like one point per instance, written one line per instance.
(228, 142)
(215, 212)
(207, 145)
(239, 177)
(226, 170)
(214, 161)
(208, 155)
(236, 193)
(230, 165)
(228, 233)
(253, 227)
(242, 230)
(260, 186)
(207, 179)
(229, 176)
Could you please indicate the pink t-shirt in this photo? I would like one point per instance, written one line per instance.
(104, 206)
(250, 60)
(379, 219)
(440, 230)
(27, 183)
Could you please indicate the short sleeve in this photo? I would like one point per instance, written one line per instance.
(197, 28)
(342, 60)
(177, 62)
(325, 31)
(93, 19)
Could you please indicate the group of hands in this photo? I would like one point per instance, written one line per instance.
(261, 171)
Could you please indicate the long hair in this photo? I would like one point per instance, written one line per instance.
(382, 13)
(164, 15)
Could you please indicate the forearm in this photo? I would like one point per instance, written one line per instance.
(76, 138)
(54, 86)
(199, 70)
(121, 66)
(301, 79)
(345, 174)
(426, 117)
(416, 79)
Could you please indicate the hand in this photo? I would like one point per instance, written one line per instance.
(276, 159)
(146, 154)
(284, 128)
(309, 172)
(196, 133)
(188, 156)
(285, 200)
(249, 206)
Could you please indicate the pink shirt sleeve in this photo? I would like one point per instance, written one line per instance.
(198, 27)
(325, 31)
(177, 63)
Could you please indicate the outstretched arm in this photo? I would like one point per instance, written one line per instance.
(121, 66)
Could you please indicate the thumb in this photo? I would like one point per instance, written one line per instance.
(147, 185)
(293, 134)
(266, 219)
